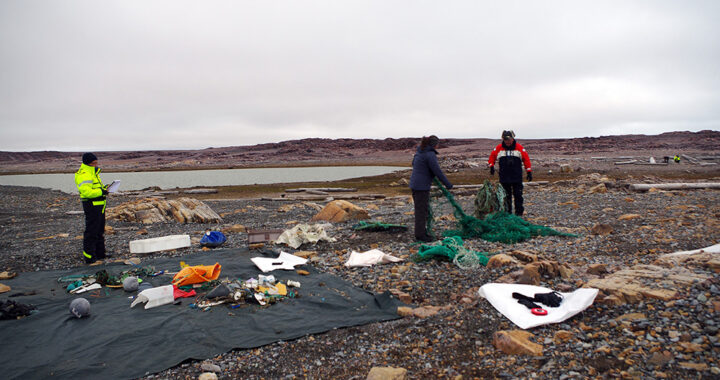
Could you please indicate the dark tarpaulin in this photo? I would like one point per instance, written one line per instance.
(119, 342)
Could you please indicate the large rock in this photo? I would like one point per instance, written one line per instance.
(154, 210)
(501, 260)
(386, 373)
(516, 342)
(601, 229)
(533, 272)
(634, 284)
(341, 211)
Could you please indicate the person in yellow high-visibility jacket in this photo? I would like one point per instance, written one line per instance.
(93, 195)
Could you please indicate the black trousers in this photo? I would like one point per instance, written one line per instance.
(514, 190)
(94, 236)
(421, 198)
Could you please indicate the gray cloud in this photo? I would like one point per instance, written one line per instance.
(120, 75)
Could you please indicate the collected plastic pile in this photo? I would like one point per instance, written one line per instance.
(13, 310)
(265, 290)
(188, 282)
(498, 226)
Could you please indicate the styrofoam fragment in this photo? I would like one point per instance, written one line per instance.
(159, 244)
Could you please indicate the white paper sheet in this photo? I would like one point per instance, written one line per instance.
(114, 186)
(500, 296)
(284, 261)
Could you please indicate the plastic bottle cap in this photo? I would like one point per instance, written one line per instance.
(538, 311)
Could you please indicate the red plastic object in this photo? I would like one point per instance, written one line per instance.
(538, 311)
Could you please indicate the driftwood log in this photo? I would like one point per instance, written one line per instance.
(674, 186)
(324, 189)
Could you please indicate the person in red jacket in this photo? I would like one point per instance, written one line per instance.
(511, 156)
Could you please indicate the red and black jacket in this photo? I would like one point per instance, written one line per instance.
(510, 160)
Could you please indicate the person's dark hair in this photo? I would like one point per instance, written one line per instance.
(430, 141)
(88, 158)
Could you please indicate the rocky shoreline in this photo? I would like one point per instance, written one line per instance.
(650, 336)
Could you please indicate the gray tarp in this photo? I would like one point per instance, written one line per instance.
(119, 342)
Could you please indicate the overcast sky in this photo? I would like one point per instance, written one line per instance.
(136, 75)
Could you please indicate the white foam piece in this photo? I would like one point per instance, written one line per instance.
(159, 244)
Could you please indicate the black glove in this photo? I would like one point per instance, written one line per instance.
(104, 192)
(529, 176)
(450, 186)
(492, 170)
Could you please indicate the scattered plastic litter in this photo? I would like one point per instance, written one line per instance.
(283, 261)
(154, 297)
(303, 233)
(197, 274)
(369, 258)
(213, 239)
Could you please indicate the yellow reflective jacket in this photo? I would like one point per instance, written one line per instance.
(87, 180)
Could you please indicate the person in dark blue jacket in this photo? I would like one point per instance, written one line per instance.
(425, 168)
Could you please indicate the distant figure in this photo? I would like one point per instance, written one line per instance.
(93, 196)
(425, 168)
(511, 158)
(676, 159)
(666, 159)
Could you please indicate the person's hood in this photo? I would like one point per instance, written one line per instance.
(89, 168)
(511, 146)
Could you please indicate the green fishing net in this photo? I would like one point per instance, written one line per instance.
(498, 226)
(378, 226)
(452, 248)
(489, 199)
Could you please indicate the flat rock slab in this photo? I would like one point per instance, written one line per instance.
(665, 280)
(154, 210)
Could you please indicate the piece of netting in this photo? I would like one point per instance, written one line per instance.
(499, 226)
(378, 226)
(489, 199)
(452, 248)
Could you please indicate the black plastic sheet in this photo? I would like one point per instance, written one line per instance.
(119, 342)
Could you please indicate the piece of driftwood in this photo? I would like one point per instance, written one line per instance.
(691, 159)
(707, 163)
(626, 162)
(200, 191)
(325, 189)
(299, 197)
(674, 186)
(651, 163)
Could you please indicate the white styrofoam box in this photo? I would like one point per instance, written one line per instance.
(159, 244)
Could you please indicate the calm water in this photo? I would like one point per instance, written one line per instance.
(209, 178)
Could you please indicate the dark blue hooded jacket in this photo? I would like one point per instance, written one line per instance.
(425, 168)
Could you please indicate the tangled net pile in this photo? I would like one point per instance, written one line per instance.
(498, 226)
(453, 249)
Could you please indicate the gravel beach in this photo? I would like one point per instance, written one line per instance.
(653, 338)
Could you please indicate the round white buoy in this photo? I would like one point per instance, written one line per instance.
(80, 307)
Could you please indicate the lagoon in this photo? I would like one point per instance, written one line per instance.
(193, 178)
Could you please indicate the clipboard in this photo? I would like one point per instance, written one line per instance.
(113, 187)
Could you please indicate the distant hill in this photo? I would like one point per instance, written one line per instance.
(319, 151)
